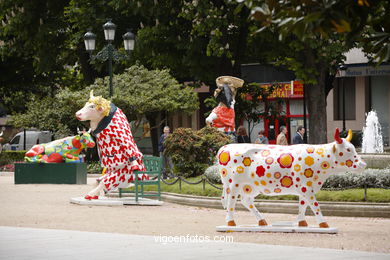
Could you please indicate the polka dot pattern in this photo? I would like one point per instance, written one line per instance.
(276, 170)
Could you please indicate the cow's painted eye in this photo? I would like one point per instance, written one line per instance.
(348, 150)
(91, 106)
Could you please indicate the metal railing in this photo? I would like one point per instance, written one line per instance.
(180, 179)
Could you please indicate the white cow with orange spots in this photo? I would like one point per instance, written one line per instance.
(250, 169)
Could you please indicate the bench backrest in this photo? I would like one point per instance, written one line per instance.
(153, 165)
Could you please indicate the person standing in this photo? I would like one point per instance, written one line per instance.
(282, 139)
(298, 138)
(242, 136)
(166, 161)
(262, 139)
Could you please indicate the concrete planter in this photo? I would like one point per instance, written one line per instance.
(376, 160)
(50, 173)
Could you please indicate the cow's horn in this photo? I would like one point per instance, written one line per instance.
(337, 136)
(78, 130)
(91, 94)
(1, 133)
(90, 130)
(349, 136)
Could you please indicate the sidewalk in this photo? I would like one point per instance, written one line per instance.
(31, 243)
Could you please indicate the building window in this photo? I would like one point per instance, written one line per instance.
(349, 99)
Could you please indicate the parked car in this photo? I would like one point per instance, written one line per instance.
(32, 138)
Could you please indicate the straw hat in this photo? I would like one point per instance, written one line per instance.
(231, 81)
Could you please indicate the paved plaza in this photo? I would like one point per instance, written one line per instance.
(37, 221)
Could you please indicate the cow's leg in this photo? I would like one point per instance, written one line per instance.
(225, 181)
(231, 193)
(302, 210)
(94, 194)
(315, 207)
(248, 202)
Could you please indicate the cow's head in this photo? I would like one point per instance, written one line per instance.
(95, 109)
(87, 140)
(346, 157)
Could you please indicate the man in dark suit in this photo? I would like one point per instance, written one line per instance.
(298, 138)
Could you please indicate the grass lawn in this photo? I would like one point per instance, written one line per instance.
(351, 195)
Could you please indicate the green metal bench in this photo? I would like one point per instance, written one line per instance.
(153, 167)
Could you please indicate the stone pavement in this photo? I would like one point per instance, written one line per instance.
(30, 243)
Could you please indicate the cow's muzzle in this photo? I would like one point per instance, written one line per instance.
(362, 165)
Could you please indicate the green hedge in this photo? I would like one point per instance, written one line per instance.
(8, 157)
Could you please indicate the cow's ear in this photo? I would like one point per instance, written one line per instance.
(337, 136)
(334, 148)
(100, 109)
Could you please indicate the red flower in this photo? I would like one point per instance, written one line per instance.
(260, 171)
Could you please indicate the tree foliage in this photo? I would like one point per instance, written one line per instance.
(363, 21)
(33, 50)
(138, 92)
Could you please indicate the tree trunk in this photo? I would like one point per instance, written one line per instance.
(316, 100)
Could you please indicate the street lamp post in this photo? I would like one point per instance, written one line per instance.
(342, 69)
(109, 52)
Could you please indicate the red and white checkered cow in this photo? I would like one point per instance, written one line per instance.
(250, 169)
(118, 152)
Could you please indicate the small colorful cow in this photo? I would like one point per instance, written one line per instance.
(250, 169)
(118, 152)
(63, 150)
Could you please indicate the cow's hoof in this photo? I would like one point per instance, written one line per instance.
(87, 197)
(324, 225)
(231, 223)
(302, 223)
(263, 222)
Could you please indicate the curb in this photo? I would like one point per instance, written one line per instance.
(343, 209)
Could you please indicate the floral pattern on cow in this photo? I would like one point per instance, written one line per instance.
(250, 169)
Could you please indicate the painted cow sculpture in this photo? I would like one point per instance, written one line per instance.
(117, 150)
(63, 150)
(250, 169)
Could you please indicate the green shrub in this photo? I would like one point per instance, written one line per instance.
(8, 157)
(193, 151)
(212, 174)
(370, 178)
(94, 168)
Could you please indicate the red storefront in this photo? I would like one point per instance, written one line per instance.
(287, 105)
